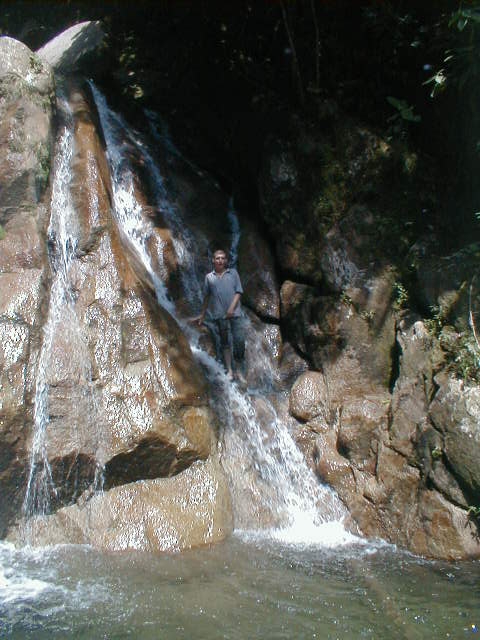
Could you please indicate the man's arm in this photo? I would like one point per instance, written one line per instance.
(233, 305)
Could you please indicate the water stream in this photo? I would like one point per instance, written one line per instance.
(62, 324)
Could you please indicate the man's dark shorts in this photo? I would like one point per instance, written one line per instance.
(232, 333)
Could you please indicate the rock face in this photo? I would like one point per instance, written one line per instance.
(26, 95)
(67, 52)
(190, 509)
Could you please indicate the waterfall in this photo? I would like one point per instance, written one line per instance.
(235, 232)
(133, 225)
(273, 488)
(62, 323)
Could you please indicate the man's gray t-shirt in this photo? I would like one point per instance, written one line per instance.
(221, 290)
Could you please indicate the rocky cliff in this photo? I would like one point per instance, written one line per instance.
(389, 411)
(339, 273)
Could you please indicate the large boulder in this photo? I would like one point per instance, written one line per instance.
(174, 514)
(343, 336)
(125, 393)
(455, 411)
(67, 52)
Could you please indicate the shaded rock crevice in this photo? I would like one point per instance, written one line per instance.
(150, 458)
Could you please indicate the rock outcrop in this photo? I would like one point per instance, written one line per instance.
(190, 509)
(67, 52)
(126, 403)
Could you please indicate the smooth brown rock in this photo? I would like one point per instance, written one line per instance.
(171, 514)
(125, 398)
(125, 392)
(309, 396)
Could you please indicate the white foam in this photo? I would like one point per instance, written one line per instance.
(15, 584)
(305, 533)
(14, 588)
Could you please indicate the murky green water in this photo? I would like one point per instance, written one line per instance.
(236, 590)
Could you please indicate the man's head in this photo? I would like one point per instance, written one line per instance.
(220, 260)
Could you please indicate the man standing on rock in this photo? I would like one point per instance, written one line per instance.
(222, 292)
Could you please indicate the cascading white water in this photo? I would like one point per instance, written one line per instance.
(272, 486)
(62, 320)
(133, 225)
(235, 231)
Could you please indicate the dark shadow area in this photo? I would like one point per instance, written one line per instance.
(150, 458)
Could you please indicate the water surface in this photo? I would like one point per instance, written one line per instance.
(236, 590)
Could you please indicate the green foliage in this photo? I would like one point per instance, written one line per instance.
(346, 299)
(400, 296)
(462, 59)
(436, 322)
(460, 348)
(35, 63)
(2, 232)
(436, 453)
(466, 363)
(462, 17)
(473, 511)
(366, 314)
(404, 110)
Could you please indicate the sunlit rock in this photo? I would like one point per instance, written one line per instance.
(66, 52)
(346, 338)
(414, 385)
(291, 365)
(362, 425)
(173, 514)
(309, 396)
(26, 93)
(124, 391)
(455, 411)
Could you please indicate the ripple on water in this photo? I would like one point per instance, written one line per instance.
(238, 589)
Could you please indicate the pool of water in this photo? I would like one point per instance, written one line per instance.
(243, 588)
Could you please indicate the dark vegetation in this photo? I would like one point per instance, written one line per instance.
(236, 72)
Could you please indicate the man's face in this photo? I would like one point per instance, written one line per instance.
(219, 261)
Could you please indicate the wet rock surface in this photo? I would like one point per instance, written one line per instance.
(26, 94)
(124, 392)
(378, 417)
